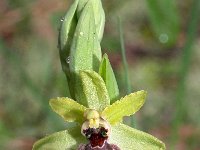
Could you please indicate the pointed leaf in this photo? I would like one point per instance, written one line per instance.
(64, 140)
(94, 90)
(108, 76)
(85, 53)
(128, 138)
(124, 107)
(68, 109)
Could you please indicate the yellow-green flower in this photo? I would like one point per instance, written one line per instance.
(123, 136)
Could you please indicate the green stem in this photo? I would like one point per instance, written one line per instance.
(125, 65)
(124, 60)
(181, 106)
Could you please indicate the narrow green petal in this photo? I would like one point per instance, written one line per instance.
(64, 140)
(124, 107)
(108, 76)
(94, 89)
(128, 138)
(68, 109)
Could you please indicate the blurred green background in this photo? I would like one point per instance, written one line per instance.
(162, 40)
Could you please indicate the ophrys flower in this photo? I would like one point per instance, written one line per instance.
(105, 121)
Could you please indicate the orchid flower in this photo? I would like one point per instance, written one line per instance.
(99, 114)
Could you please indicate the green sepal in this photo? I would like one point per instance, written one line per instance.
(124, 107)
(68, 109)
(106, 72)
(64, 140)
(85, 53)
(93, 93)
(127, 138)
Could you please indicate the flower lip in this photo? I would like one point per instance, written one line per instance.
(106, 146)
(95, 129)
(96, 136)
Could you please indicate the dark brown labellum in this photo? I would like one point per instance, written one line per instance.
(106, 146)
(97, 140)
(96, 136)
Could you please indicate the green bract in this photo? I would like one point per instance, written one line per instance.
(85, 51)
(94, 90)
(66, 33)
(79, 40)
(106, 72)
